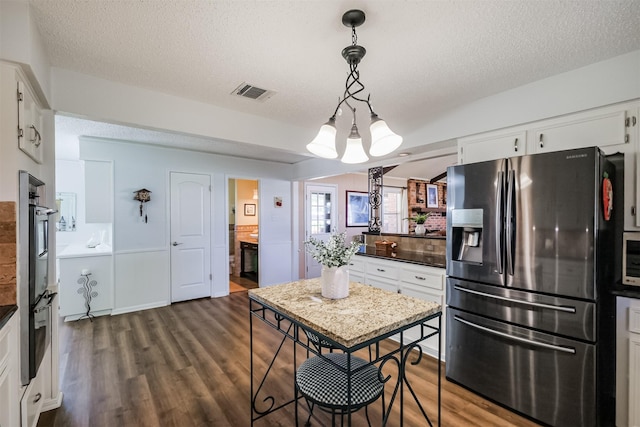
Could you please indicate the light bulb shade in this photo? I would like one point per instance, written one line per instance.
(354, 153)
(383, 139)
(324, 144)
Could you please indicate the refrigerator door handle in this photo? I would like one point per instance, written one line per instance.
(498, 219)
(518, 301)
(511, 178)
(515, 338)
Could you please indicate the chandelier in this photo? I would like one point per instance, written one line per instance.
(383, 139)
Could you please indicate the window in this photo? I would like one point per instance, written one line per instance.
(393, 210)
(320, 213)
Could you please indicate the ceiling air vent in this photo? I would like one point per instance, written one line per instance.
(246, 90)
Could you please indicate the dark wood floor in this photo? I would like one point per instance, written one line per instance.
(188, 365)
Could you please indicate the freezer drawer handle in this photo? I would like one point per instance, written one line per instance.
(514, 338)
(535, 304)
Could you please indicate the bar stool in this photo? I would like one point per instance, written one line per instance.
(324, 384)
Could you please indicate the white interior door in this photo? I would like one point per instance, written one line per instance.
(190, 236)
(321, 206)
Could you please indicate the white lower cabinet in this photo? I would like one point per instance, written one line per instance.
(32, 401)
(414, 280)
(9, 403)
(356, 269)
(73, 289)
(634, 366)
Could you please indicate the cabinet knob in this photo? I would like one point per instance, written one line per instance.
(419, 277)
(37, 397)
(541, 140)
(381, 269)
(515, 145)
(176, 243)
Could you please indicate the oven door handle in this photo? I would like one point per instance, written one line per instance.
(518, 301)
(515, 338)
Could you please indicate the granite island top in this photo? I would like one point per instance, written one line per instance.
(422, 258)
(5, 313)
(365, 314)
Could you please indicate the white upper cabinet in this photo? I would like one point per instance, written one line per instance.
(601, 128)
(30, 124)
(98, 191)
(492, 145)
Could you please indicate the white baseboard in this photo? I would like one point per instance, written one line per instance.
(74, 317)
(141, 307)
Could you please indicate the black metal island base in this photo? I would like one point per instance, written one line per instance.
(339, 364)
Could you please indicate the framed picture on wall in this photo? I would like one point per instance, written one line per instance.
(432, 196)
(357, 209)
(249, 209)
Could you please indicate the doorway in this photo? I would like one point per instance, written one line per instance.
(244, 236)
(321, 218)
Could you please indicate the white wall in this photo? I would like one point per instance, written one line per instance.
(20, 42)
(142, 249)
(108, 101)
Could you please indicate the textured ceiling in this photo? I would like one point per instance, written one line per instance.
(423, 57)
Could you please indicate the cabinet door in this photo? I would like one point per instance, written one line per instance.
(9, 405)
(423, 293)
(30, 122)
(98, 183)
(492, 146)
(581, 130)
(32, 402)
(72, 287)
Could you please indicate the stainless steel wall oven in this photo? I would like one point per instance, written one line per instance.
(34, 297)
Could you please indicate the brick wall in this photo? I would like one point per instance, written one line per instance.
(417, 198)
(8, 258)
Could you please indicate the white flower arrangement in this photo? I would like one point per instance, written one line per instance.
(333, 252)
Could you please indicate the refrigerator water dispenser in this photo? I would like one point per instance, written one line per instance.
(466, 227)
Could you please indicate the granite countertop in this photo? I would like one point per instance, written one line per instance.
(249, 240)
(422, 258)
(365, 314)
(5, 313)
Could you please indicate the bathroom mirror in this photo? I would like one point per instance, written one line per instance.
(66, 216)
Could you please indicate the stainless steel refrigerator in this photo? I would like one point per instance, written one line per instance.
(531, 245)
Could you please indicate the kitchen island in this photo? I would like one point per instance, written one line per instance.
(360, 321)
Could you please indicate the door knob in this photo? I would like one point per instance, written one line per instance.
(176, 243)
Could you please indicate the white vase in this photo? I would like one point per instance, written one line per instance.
(335, 282)
(420, 230)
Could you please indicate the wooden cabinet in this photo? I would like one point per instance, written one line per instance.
(414, 280)
(9, 404)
